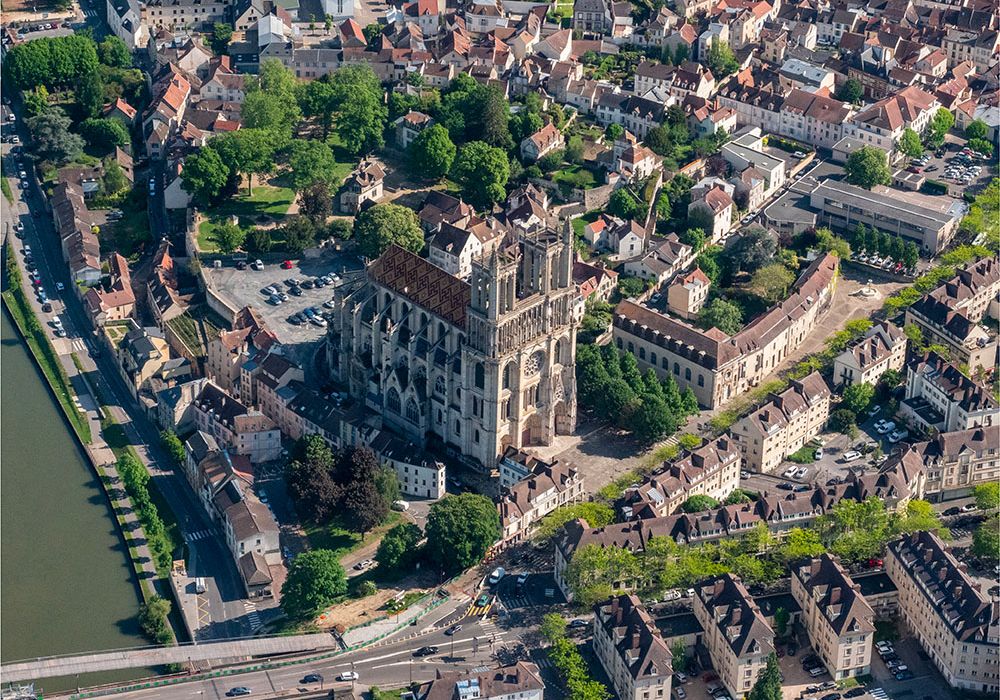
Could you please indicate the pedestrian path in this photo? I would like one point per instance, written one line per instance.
(492, 630)
(199, 535)
(253, 617)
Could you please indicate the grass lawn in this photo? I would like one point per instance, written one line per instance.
(5, 184)
(334, 535)
(266, 200)
(575, 176)
(804, 455)
(345, 161)
(129, 234)
(580, 222)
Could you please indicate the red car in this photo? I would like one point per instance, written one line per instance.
(875, 563)
(287, 265)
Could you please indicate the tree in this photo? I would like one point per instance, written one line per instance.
(270, 112)
(721, 60)
(850, 91)
(977, 129)
(460, 529)
(911, 254)
(773, 281)
(365, 589)
(90, 94)
(613, 132)
(722, 314)
(799, 545)
(987, 495)
(248, 152)
(204, 175)
(843, 421)
(552, 627)
(398, 549)
(173, 446)
(52, 139)
(940, 124)
(372, 32)
(623, 204)
(694, 237)
(482, 172)
(596, 515)
(228, 236)
(856, 397)
(113, 52)
(986, 540)
(678, 650)
(104, 134)
(768, 685)
(781, 618)
(35, 101)
(432, 153)
(752, 250)
(154, 619)
(316, 202)
(574, 150)
(114, 178)
(299, 233)
(222, 34)
(310, 478)
(311, 162)
(258, 241)
(365, 504)
(736, 496)
(51, 61)
(383, 225)
(981, 146)
(699, 503)
(357, 97)
(829, 243)
(315, 580)
(868, 166)
(909, 143)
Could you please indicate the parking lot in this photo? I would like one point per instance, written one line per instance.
(244, 288)
(937, 168)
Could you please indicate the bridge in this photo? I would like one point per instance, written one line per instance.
(54, 666)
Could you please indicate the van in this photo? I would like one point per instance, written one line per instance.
(199, 585)
(498, 573)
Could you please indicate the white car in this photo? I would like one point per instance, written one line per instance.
(497, 575)
(897, 435)
(850, 456)
(887, 427)
(801, 472)
(679, 692)
(348, 676)
(790, 472)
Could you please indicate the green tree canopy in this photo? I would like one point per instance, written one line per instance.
(843, 420)
(721, 60)
(722, 314)
(104, 134)
(868, 166)
(228, 236)
(113, 52)
(857, 397)
(382, 225)
(699, 503)
(909, 143)
(986, 540)
(460, 529)
(50, 61)
(596, 515)
(977, 129)
(398, 549)
(768, 684)
(204, 175)
(553, 627)
(247, 152)
(482, 172)
(624, 204)
(851, 90)
(432, 153)
(315, 580)
(311, 162)
(751, 251)
(987, 495)
(52, 139)
(773, 281)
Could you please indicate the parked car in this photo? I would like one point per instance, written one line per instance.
(887, 427)
(897, 435)
(850, 456)
(257, 265)
(497, 575)
(874, 410)
(801, 472)
(286, 265)
(790, 472)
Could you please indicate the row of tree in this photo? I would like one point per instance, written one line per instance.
(872, 240)
(855, 531)
(609, 383)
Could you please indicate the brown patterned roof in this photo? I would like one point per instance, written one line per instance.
(423, 283)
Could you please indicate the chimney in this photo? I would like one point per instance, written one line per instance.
(835, 595)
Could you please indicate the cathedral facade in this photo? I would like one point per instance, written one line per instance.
(471, 367)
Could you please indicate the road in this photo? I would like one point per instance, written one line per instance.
(228, 617)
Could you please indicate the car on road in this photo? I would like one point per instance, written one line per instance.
(238, 691)
(453, 630)
(60, 287)
(785, 486)
(364, 564)
(348, 676)
(831, 696)
(521, 580)
(311, 678)
(856, 692)
(578, 623)
(425, 651)
(904, 675)
(953, 511)
(483, 600)
(497, 575)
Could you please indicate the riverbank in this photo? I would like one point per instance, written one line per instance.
(41, 348)
(102, 455)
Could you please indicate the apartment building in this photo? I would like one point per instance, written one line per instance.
(688, 294)
(235, 425)
(922, 220)
(747, 151)
(711, 470)
(546, 488)
(882, 348)
(838, 619)
(939, 396)
(968, 342)
(813, 118)
(974, 290)
(786, 423)
(955, 462)
(883, 124)
(955, 622)
(182, 14)
(737, 636)
(716, 366)
(631, 650)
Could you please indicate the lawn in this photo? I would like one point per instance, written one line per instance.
(129, 234)
(580, 222)
(804, 455)
(335, 536)
(575, 176)
(266, 200)
(345, 161)
(5, 184)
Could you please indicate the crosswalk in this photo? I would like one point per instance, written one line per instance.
(253, 617)
(198, 535)
(78, 345)
(91, 14)
(492, 631)
(879, 694)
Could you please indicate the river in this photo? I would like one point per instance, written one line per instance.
(67, 585)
